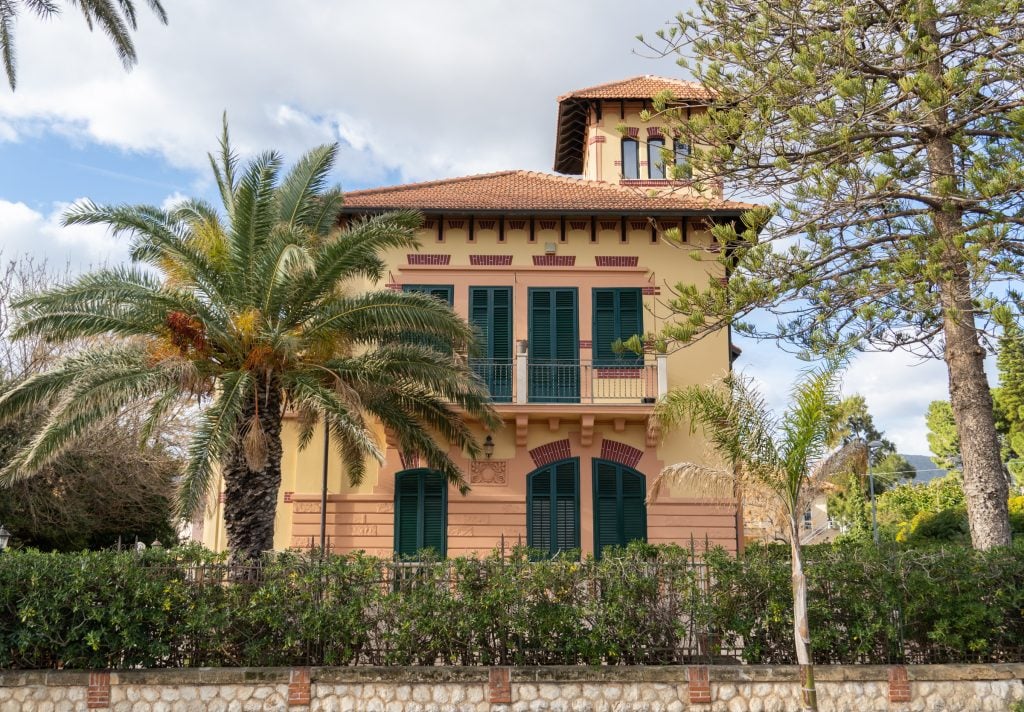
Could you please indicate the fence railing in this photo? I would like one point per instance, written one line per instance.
(520, 380)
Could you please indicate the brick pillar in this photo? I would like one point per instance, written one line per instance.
(499, 686)
(299, 688)
(98, 695)
(899, 684)
(700, 685)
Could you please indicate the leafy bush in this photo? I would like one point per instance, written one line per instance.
(638, 605)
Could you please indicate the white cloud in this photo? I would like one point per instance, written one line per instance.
(425, 89)
(25, 231)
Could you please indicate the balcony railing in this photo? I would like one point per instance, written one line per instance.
(521, 380)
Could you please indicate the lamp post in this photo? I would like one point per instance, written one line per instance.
(323, 491)
(872, 447)
(5, 537)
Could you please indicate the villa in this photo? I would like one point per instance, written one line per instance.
(552, 271)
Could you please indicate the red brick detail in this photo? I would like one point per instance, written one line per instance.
(288, 496)
(551, 452)
(486, 224)
(586, 344)
(618, 163)
(490, 259)
(222, 497)
(651, 290)
(554, 260)
(618, 373)
(499, 686)
(456, 224)
(98, 694)
(643, 163)
(597, 139)
(423, 259)
(578, 224)
(410, 460)
(699, 685)
(899, 684)
(517, 224)
(621, 452)
(633, 131)
(299, 694)
(617, 260)
(547, 224)
(654, 132)
(609, 224)
(655, 182)
(638, 224)
(394, 286)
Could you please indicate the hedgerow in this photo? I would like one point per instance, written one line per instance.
(641, 605)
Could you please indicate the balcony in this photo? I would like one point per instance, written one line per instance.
(521, 381)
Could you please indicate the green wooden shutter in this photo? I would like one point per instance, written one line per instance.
(441, 292)
(618, 314)
(553, 508)
(620, 513)
(634, 510)
(434, 519)
(421, 520)
(605, 327)
(554, 345)
(407, 505)
(490, 313)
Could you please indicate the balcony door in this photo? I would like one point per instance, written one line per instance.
(554, 355)
(553, 507)
(490, 313)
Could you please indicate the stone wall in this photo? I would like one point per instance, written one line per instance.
(720, 688)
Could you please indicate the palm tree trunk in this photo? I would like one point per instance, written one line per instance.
(250, 495)
(801, 628)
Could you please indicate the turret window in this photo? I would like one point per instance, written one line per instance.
(655, 162)
(682, 168)
(630, 158)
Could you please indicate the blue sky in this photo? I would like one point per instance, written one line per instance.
(411, 90)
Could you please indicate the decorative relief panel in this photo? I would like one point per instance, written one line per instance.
(488, 472)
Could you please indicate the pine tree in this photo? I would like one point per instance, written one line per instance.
(887, 141)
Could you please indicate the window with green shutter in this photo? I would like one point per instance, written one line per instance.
(620, 512)
(618, 314)
(553, 507)
(554, 357)
(421, 513)
(441, 292)
(490, 313)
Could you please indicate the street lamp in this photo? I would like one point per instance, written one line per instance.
(5, 537)
(873, 446)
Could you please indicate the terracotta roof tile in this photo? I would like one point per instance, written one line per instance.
(527, 191)
(642, 87)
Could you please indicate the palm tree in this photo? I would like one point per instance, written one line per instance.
(786, 458)
(116, 18)
(258, 310)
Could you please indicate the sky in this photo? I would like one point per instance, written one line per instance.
(411, 91)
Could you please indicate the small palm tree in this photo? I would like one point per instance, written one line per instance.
(116, 19)
(255, 311)
(786, 458)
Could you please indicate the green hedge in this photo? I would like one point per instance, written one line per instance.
(644, 605)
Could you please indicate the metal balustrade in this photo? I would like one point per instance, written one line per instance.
(521, 380)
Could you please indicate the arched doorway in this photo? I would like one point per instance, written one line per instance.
(620, 510)
(553, 507)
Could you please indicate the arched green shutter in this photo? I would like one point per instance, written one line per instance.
(620, 512)
(553, 508)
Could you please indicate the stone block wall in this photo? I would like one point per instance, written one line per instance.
(720, 688)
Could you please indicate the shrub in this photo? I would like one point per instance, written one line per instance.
(638, 605)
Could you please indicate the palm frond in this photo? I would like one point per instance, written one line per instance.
(685, 473)
(224, 167)
(8, 15)
(301, 190)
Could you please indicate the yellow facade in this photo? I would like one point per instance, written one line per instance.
(608, 420)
